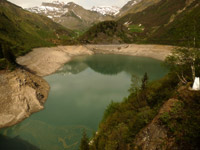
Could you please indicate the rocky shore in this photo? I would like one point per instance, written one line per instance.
(21, 94)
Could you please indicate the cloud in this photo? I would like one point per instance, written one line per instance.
(85, 3)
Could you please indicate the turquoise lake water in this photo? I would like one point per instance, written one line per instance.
(80, 92)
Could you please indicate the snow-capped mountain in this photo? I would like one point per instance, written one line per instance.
(106, 10)
(52, 10)
(70, 14)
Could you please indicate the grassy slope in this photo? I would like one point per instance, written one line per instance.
(156, 21)
(183, 30)
(26, 30)
(128, 8)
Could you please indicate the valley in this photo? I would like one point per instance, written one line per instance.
(120, 76)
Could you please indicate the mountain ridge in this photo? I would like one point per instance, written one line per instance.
(71, 15)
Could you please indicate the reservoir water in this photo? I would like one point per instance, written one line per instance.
(80, 92)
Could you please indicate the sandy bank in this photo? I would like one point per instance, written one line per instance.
(21, 94)
(45, 61)
(159, 52)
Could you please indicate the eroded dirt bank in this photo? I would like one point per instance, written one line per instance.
(21, 94)
(45, 61)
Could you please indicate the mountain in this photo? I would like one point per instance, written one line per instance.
(21, 30)
(70, 15)
(173, 22)
(127, 7)
(106, 10)
(107, 32)
(166, 22)
(134, 6)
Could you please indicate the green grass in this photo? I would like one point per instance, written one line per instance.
(136, 28)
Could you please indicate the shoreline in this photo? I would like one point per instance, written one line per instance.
(45, 61)
(25, 93)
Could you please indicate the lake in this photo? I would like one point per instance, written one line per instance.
(80, 92)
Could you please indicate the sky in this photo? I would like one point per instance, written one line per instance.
(85, 3)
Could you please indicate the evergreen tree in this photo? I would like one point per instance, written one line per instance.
(84, 142)
(144, 81)
(143, 93)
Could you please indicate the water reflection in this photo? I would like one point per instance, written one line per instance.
(16, 143)
(114, 64)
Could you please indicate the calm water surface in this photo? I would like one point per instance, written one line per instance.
(80, 92)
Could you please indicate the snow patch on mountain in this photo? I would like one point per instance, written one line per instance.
(106, 10)
(52, 10)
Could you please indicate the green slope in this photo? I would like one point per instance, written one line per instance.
(106, 32)
(24, 30)
(184, 31)
(166, 22)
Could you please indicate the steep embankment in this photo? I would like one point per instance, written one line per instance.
(162, 115)
(22, 94)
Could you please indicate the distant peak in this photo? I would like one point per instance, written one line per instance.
(106, 10)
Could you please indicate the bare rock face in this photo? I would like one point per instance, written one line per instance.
(21, 94)
(154, 136)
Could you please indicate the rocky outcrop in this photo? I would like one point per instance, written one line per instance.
(21, 94)
(155, 136)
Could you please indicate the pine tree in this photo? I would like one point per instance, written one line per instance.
(84, 142)
(144, 81)
(143, 93)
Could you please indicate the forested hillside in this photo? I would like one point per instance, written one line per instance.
(106, 32)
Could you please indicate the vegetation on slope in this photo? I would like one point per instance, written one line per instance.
(21, 31)
(106, 32)
(131, 7)
(183, 31)
(166, 22)
(123, 121)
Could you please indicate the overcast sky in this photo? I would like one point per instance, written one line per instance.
(84, 3)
